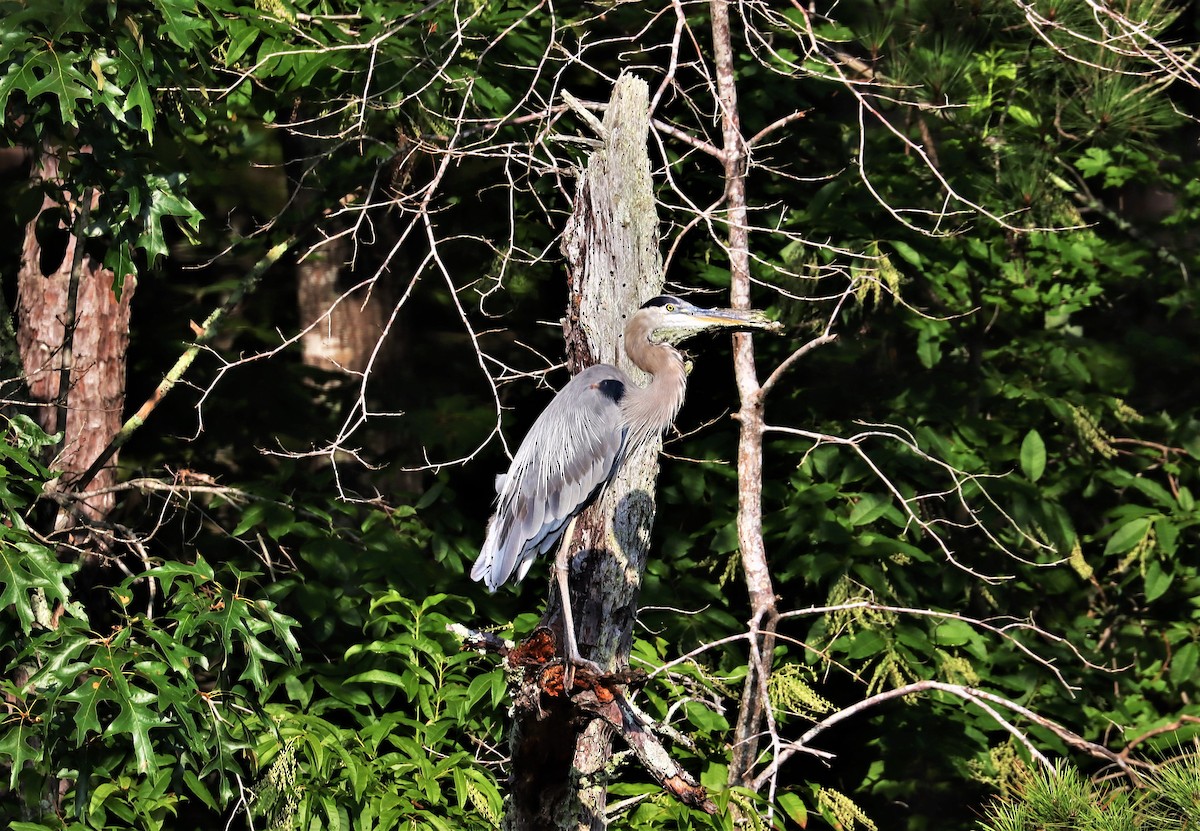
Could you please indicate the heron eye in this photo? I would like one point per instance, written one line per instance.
(670, 307)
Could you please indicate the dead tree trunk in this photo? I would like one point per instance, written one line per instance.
(611, 247)
(74, 331)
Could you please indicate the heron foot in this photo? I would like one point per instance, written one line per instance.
(570, 663)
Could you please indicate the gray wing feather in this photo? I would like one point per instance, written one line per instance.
(570, 452)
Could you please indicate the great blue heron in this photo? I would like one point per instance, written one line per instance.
(579, 441)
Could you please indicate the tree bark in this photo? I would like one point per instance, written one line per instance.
(611, 248)
(345, 325)
(87, 349)
(341, 324)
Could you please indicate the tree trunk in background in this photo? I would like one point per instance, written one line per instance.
(96, 394)
(342, 334)
(342, 314)
(611, 248)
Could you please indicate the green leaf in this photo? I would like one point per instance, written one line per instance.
(914, 638)
(907, 252)
(1022, 116)
(795, 809)
(46, 72)
(379, 676)
(180, 22)
(252, 516)
(866, 643)
(15, 747)
(258, 653)
(704, 718)
(1157, 581)
(199, 573)
(239, 43)
(1128, 535)
(929, 350)
(164, 198)
(952, 632)
(28, 436)
(1184, 662)
(1155, 491)
(139, 97)
(96, 804)
(87, 696)
(119, 261)
(59, 653)
(177, 654)
(1186, 501)
(135, 716)
(870, 506)
(26, 567)
(1033, 456)
(199, 789)
(1093, 161)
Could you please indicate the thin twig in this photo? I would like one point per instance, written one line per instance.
(794, 358)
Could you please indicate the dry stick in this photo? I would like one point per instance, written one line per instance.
(207, 330)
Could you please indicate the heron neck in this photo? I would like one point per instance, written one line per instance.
(649, 410)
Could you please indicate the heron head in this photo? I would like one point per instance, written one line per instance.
(672, 320)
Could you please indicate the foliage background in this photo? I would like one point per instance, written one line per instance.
(270, 638)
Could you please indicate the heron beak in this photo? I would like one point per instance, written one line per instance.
(736, 320)
(687, 321)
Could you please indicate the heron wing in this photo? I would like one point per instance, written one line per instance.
(569, 454)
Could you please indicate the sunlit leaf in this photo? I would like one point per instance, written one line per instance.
(25, 568)
(1033, 456)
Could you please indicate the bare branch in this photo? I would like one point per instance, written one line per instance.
(983, 700)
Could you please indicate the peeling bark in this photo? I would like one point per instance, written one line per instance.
(95, 359)
(543, 776)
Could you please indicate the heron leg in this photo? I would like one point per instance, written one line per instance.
(562, 573)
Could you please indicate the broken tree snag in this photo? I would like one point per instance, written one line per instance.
(611, 242)
(611, 246)
(562, 739)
